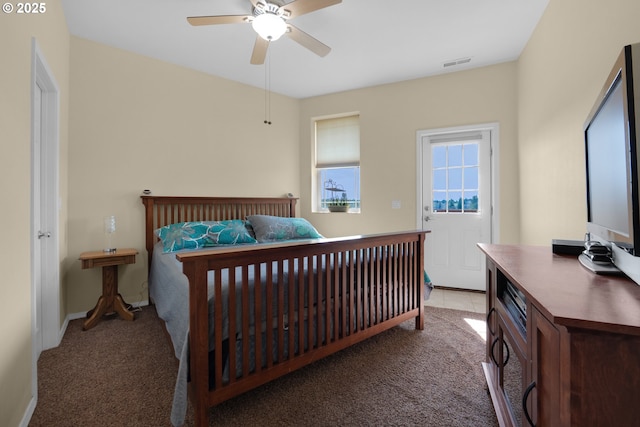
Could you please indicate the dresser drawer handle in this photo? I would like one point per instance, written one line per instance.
(493, 346)
(506, 360)
(488, 320)
(525, 397)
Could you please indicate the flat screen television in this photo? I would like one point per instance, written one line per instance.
(612, 150)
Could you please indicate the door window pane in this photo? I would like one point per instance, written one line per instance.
(471, 154)
(471, 201)
(439, 179)
(439, 201)
(439, 156)
(455, 178)
(454, 157)
(471, 177)
(454, 203)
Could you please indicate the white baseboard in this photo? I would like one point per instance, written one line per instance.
(28, 413)
(73, 316)
(83, 314)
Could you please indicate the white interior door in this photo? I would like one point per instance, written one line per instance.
(36, 206)
(45, 204)
(456, 186)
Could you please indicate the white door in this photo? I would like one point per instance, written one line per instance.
(39, 237)
(456, 187)
(44, 207)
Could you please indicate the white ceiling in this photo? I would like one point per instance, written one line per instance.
(373, 41)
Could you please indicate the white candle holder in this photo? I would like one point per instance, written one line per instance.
(109, 232)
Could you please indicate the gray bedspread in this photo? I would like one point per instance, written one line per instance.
(169, 289)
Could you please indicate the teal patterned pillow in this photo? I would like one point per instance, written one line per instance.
(273, 228)
(199, 234)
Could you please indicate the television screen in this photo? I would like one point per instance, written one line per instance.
(612, 145)
(608, 165)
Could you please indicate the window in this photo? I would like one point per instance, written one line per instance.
(455, 177)
(337, 162)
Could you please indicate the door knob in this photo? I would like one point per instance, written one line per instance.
(42, 234)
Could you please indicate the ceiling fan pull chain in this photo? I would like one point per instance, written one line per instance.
(267, 90)
(265, 93)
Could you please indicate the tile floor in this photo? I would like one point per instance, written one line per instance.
(458, 300)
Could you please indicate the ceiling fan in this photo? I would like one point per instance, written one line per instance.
(270, 20)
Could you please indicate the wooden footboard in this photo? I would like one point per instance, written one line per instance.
(361, 286)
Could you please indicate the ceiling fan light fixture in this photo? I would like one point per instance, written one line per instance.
(269, 26)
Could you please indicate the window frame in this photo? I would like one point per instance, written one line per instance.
(318, 191)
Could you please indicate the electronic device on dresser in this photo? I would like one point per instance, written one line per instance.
(613, 177)
(516, 304)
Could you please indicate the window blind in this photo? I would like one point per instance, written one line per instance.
(456, 137)
(338, 142)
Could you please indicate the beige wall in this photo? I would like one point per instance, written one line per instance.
(138, 123)
(390, 116)
(16, 33)
(559, 76)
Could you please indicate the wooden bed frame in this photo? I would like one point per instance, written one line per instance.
(385, 283)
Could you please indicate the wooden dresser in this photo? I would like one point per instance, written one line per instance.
(573, 357)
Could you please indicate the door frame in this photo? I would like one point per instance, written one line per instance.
(49, 316)
(494, 129)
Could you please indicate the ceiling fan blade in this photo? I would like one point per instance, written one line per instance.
(219, 19)
(300, 7)
(259, 51)
(311, 43)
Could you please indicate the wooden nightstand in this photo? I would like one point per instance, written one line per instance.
(110, 301)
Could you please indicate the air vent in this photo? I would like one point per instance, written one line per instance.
(455, 62)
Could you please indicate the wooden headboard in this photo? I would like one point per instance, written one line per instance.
(165, 210)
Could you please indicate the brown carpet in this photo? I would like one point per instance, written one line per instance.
(122, 373)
